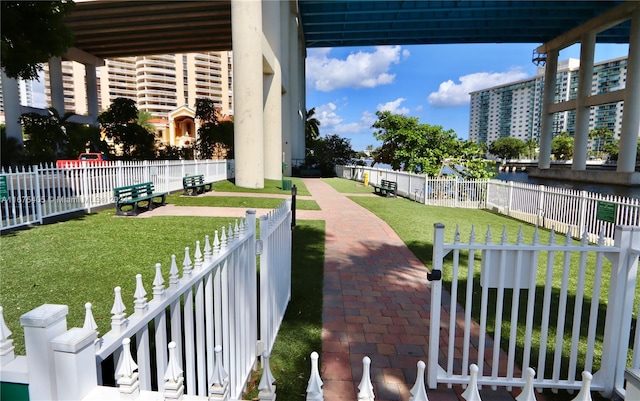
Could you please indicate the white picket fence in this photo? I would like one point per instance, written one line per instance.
(197, 336)
(30, 194)
(507, 275)
(419, 392)
(553, 208)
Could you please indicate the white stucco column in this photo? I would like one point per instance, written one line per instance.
(11, 101)
(92, 93)
(302, 116)
(585, 77)
(631, 114)
(546, 134)
(57, 89)
(172, 132)
(272, 91)
(246, 31)
(294, 89)
(286, 18)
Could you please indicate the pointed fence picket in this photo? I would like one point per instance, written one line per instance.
(198, 336)
(419, 391)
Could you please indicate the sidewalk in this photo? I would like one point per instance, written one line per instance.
(376, 303)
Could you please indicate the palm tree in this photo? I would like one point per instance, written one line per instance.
(311, 127)
(144, 118)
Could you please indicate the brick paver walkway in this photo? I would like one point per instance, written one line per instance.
(376, 300)
(376, 303)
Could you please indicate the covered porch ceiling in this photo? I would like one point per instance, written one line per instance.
(107, 28)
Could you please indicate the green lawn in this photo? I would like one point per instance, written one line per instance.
(347, 186)
(238, 201)
(270, 187)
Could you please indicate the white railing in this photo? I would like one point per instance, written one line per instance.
(558, 208)
(34, 193)
(367, 390)
(207, 321)
(506, 275)
(275, 271)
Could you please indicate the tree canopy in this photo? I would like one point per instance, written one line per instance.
(424, 148)
(507, 148)
(32, 33)
(562, 146)
(215, 138)
(120, 125)
(328, 152)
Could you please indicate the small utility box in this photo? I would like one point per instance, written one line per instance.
(490, 268)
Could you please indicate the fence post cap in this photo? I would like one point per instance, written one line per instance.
(44, 315)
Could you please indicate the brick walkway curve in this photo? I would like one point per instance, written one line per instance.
(375, 303)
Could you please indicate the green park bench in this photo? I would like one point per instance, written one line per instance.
(133, 195)
(386, 188)
(195, 184)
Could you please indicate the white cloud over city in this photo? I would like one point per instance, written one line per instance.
(452, 94)
(362, 69)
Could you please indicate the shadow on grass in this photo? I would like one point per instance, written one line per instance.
(301, 329)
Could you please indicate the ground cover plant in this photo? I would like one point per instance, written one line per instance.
(237, 201)
(270, 187)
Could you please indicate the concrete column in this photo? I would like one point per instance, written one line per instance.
(546, 134)
(172, 132)
(57, 89)
(11, 99)
(295, 92)
(631, 113)
(302, 53)
(246, 30)
(585, 77)
(286, 18)
(42, 325)
(75, 362)
(92, 93)
(298, 133)
(272, 92)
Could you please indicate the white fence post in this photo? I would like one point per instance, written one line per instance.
(418, 392)
(75, 363)
(41, 325)
(528, 393)
(471, 393)
(314, 386)
(541, 190)
(7, 353)
(624, 269)
(365, 386)
(266, 387)
(436, 294)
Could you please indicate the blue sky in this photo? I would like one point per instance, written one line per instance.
(431, 82)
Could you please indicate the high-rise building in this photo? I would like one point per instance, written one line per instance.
(515, 109)
(160, 85)
(25, 89)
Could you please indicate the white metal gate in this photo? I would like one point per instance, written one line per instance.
(560, 308)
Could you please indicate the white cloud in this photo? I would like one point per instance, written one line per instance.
(358, 70)
(451, 94)
(327, 116)
(394, 106)
(332, 123)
